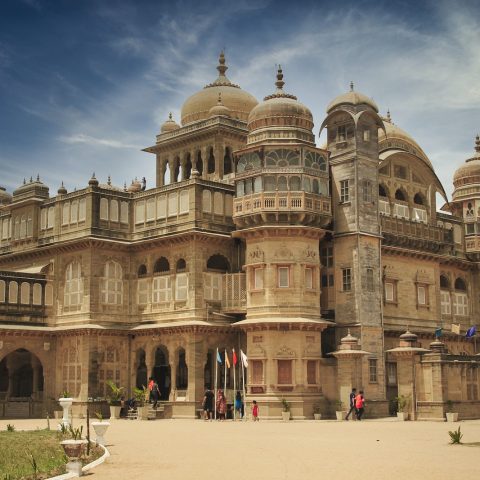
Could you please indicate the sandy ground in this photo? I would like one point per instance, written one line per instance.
(371, 449)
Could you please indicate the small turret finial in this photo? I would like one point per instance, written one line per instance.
(222, 68)
(38, 177)
(170, 116)
(389, 117)
(93, 175)
(351, 86)
(24, 181)
(31, 179)
(109, 180)
(279, 83)
(477, 143)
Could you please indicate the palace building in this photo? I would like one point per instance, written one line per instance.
(331, 267)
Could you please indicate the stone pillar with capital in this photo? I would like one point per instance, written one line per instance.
(219, 154)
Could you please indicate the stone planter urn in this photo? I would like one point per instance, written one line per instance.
(65, 403)
(73, 450)
(100, 430)
(143, 412)
(286, 416)
(340, 415)
(317, 416)
(115, 411)
(402, 416)
(452, 416)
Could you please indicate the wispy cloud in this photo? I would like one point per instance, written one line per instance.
(104, 142)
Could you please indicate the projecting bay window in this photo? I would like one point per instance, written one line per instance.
(469, 228)
(445, 302)
(181, 287)
(142, 291)
(384, 207)
(161, 289)
(401, 211)
(212, 286)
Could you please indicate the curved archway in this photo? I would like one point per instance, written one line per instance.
(181, 265)
(400, 195)
(218, 262)
(460, 284)
(181, 381)
(419, 199)
(444, 282)
(161, 265)
(161, 371)
(142, 270)
(382, 190)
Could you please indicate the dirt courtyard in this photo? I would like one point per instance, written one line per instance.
(268, 450)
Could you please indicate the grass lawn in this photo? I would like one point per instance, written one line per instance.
(19, 450)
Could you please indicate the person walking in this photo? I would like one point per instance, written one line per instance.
(352, 410)
(360, 404)
(155, 394)
(150, 389)
(221, 405)
(255, 411)
(238, 404)
(208, 404)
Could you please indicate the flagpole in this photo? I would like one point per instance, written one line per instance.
(225, 377)
(215, 394)
(234, 385)
(243, 381)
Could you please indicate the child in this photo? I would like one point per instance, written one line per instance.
(255, 411)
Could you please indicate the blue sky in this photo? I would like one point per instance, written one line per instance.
(85, 84)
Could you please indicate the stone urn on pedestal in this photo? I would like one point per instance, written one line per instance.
(65, 402)
(450, 414)
(100, 428)
(74, 449)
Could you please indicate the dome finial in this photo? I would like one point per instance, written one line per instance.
(222, 68)
(389, 117)
(477, 143)
(279, 83)
(170, 116)
(351, 85)
(109, 180)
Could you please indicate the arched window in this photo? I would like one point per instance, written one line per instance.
(25, 293)
(460, 285)
(307, 184)
(111, 291)
(29, 225)
(399, 195)
(103, 209)
(295, 185)
(37, 294)
(17, 228)
(444, 282)
(161, 265)
(2, 291)
(218, 262)
(227, 162)
(282, 184)
(207, 201)
(114, 210)
(418, 199)
(181, 265)
(23, 227)
(269, 184)
(211, 162)
(73, 290)
(13, 292)
(181, 281)
(240, 188)
(142, 270)
(382, 192)
(315, 186)
(74, 212)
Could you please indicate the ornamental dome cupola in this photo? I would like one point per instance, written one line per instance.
(5, 197)
(280, 118)
(33, 188)
(170, 125)
(62, 190)
(93, 182)
(219, 110)
(468, 173)
(351, 98)
(197, 106)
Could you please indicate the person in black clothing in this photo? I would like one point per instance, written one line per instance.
(208, 404)
(352, 410)
(155, 394)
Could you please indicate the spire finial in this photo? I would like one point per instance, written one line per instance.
(93, 175)
(389, 117)
(31, 179)
(24, 181)
(170, 116)
(351, 85)
(477, 143)
(38, 177)
(279, 83)
(222, 68)
(109, 180)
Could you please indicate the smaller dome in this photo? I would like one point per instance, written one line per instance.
(109, 186)
(170, 125)
(351, 98)
(135, 186)
(219, 110)
(469, 172)
(62, 190)
(33, 187)
(5, 197)
(280, 110)
(93, 182)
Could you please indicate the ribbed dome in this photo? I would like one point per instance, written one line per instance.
(109, 186)
(5, 197)
(240, 103)
(469, 172)
(398, 138)
(170, 125)
(280, 110)
(219, 110)
(351, 98)
(32, 187)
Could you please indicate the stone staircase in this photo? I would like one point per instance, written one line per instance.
(153, 413)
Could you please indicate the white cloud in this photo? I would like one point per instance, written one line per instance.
(104, 142)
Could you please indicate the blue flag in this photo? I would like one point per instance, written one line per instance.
(219, 358)
(438, 332)
(471, 332)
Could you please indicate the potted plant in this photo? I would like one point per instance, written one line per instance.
(285, 410)
(316, 412)
(451, 416)
(115, 399)
(403, 402)
(65, 402)
(339, 410)
(73, 449)
(143, 408)
(100, 428)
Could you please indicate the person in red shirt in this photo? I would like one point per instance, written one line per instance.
(360, 404)
(255, 411)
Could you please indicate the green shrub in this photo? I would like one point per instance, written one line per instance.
(10, 427)
(456, 436)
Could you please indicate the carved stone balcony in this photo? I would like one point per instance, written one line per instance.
(405, 233)
(282, 207)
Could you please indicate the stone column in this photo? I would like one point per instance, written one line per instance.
(183, 163)
(193, 158)
(219, 153)
(35, 369)
(195, 358)
(205, 155)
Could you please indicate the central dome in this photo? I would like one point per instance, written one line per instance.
(239, 102)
